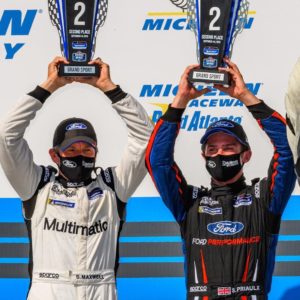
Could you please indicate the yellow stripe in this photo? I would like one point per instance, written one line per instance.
(166, 14)
(251, 12)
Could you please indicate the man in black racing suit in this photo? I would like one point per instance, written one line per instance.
(229, 231)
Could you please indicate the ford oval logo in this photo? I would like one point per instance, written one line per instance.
(225, 227)
(211, 164)
(223, 124)
(69, 163)
(75, 126)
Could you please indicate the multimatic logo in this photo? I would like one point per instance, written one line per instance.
(73, 228)
(15, 25)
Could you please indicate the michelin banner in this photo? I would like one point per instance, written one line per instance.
(147, 44)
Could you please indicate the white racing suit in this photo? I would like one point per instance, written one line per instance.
(292, 105)
(73, 231)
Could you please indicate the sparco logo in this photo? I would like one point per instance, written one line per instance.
(198, 289)
(225, 228)
(49, 275)
(69, 164)
(211, 164)
(73, 228)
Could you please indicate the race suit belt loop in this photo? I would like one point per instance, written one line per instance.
(75, 277)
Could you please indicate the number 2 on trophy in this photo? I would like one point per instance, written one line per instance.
(216, 12)
(81, 7)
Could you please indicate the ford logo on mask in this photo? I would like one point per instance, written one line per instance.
(69, 163)
(211, 164)
(75, 126)
(225, 227)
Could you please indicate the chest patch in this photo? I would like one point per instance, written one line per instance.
(95, 193)
(61, 203)
(243, 200)
(210, 210)
(225, 228)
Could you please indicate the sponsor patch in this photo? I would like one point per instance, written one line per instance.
(95, 193)
(243, 200)
(60, 190)
(210, 210)
(75, 126)
(61, 203)
(209, 201)
(225, 228)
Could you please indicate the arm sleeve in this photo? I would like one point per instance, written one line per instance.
(281, 178)
(15, 156)
(292, 105)
(131, 170)
(160, 163)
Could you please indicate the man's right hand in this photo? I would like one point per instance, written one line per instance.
(53, 81)
(186, 90)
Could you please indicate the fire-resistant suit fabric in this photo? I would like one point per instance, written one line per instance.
(229, 233)
(73, 230)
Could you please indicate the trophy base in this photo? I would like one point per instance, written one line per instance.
(209, 77)
(67, 70)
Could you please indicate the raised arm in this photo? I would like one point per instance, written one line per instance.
(15, 156)
(165, 173)
(281, 178)
(131, 170)
(292, 105)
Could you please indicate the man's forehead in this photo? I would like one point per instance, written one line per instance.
(222, 137)
(79, 145)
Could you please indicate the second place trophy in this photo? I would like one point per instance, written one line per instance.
(78, 22)
(215, 24)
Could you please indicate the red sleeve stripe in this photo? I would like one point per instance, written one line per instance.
(149, 148)
(177, 173)
(278, 116)
(276, 154)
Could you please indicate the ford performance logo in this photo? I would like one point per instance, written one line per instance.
(225, 228)
(75, 126)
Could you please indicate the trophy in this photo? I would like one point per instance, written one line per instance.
(215, 24)
(78, 22)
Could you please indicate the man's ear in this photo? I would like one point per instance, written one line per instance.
(55, 158)
(246, 155)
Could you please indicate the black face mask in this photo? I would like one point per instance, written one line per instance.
(224, 167)
(77, 168)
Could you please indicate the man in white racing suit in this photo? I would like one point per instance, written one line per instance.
(292, 105)
(73, 217)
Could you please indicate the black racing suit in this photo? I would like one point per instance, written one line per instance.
(229, 233)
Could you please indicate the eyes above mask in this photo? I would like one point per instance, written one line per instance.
(224, 167)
